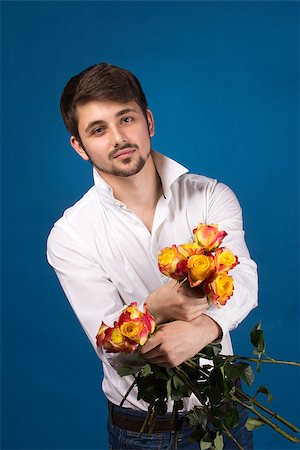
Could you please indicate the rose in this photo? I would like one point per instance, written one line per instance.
(219, 288)
(172, 263)
(208, 236)
(149, 320)
(112, 340)
(139, 326)
(225, 260)
(132, 329)
(200, 268)
(131, 311)
(190, 249)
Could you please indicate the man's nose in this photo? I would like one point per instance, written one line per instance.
(117, 136)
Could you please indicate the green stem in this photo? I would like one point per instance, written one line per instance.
(265, 420)
(186, 380)
(148, 419)
(227, 431)
(267, 410)
(269, 360)
(152, 421)
(129, 390)
(174, 419)
(196, 366)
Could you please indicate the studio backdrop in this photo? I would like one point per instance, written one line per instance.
(222, 80)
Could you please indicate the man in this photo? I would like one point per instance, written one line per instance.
(104, 249)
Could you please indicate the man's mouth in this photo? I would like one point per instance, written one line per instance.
(125, 153)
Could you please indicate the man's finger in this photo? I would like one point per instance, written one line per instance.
(151, 344)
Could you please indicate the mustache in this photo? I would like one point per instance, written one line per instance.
(122, 147)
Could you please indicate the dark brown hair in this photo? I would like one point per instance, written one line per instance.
(99, 82)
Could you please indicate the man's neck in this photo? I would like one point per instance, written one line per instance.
(139, 192)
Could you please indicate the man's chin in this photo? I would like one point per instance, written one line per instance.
(127, 168)
(126, 172)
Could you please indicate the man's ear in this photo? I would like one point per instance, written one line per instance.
(150, 121)
(78, 148)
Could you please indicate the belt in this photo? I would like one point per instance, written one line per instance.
(131, 423)
(161, 425)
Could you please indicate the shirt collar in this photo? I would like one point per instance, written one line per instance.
(168, 170)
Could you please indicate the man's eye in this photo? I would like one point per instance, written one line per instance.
(97, 130)
(127, 119)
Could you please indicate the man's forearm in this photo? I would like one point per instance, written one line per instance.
(208, 326)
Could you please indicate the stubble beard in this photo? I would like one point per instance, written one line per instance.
(123, 171)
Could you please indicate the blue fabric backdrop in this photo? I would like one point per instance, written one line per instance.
(222, 79)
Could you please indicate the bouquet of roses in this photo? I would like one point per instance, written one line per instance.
(202, 263)
(132, 329)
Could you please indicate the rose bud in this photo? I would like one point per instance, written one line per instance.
(208, 236)
(190, 249)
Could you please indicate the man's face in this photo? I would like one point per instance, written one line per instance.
(115, 137)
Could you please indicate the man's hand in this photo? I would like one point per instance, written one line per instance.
(176, 342)
(174, 301)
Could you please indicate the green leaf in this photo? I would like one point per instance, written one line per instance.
(169, 388)
(219, 386)
(234, 371)
(253, 423)
(178, 383)
(124, 371)
(232, 418)
(206, 442)
(210, 351)
(205, 445)
(159, 372)
(198, 417)
(256, 327)
(146, 370)
(150, 389)
(257, 338)
(219, 442)
(265, 391)
(248, 375)
(161, 407)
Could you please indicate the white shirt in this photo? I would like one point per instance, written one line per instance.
(105, 257)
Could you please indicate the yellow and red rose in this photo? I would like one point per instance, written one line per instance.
(200, 268)
(208, 236)
(225, 259)
(190, 249)
(111, 338)
(172, 263)
(219, 288)
(202, 262)
(132, 329)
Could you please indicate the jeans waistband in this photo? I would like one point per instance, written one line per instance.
(133, 420)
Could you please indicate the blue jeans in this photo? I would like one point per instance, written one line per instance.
(120, 439)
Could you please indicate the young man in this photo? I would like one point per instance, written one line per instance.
(104, 249)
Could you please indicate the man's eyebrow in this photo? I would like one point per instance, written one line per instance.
(125, 111)
(101, 122)
(93, 123)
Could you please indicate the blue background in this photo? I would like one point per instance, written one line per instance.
(222, 79)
